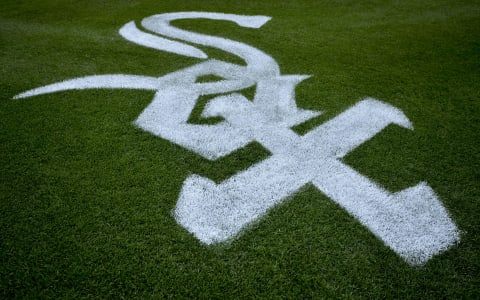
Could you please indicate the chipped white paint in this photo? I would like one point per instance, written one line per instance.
(412, 222)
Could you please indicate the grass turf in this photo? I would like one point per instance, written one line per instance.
(86, 197)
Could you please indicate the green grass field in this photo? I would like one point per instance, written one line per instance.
(86, 197)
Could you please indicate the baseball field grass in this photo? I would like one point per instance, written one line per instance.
(86, 197)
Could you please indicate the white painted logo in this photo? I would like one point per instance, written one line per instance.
(412, 222)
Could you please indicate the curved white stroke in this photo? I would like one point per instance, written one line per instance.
(255, 59)
(130, 32)
(117, 81)
(167, 115)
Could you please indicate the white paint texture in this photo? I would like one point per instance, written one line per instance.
(412, 222)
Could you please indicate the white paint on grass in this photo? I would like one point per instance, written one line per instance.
(119, 81)
(130, 32)
(412, 222)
